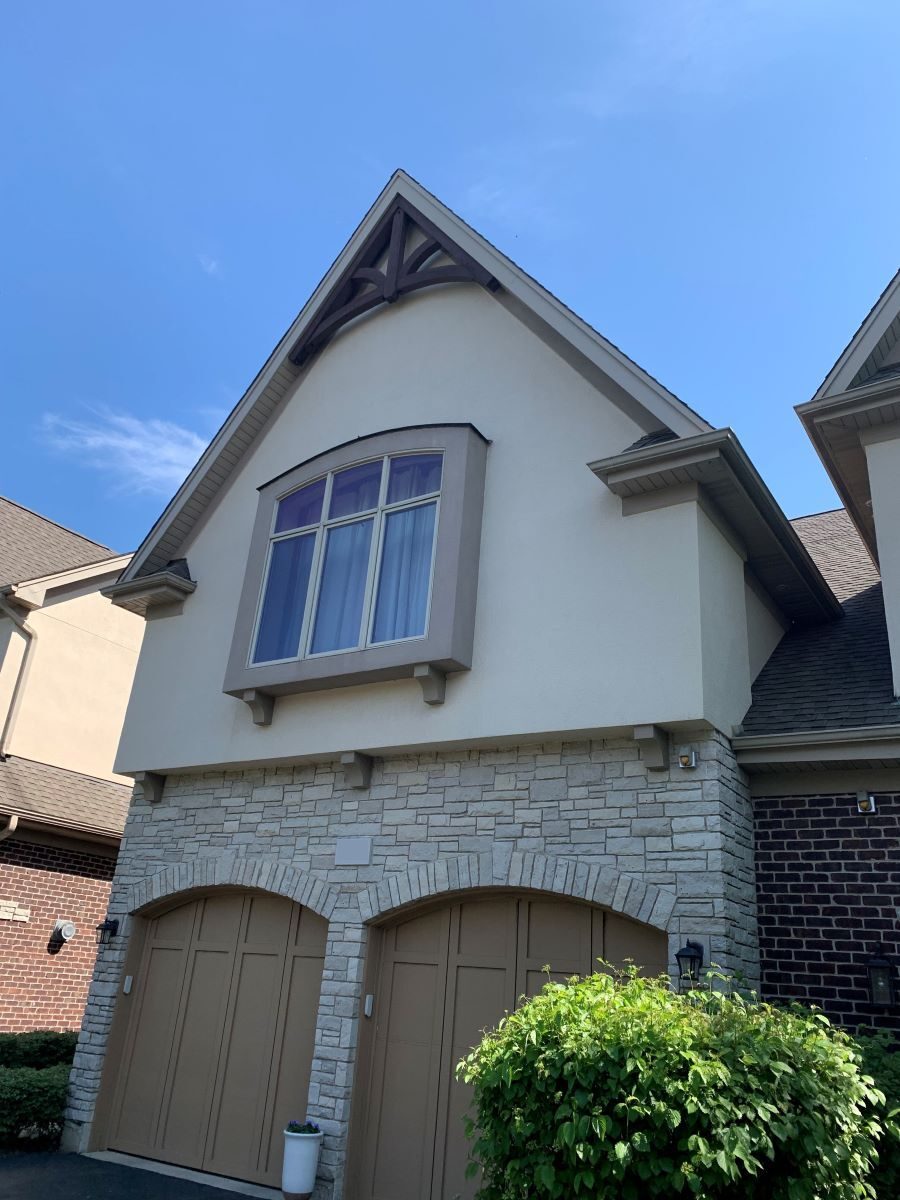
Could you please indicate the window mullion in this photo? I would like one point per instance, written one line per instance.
(312, 598)
(375, 555)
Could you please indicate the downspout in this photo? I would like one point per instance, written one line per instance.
(15, 700)
(12, 824)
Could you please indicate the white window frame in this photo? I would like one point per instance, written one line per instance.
(320, 531)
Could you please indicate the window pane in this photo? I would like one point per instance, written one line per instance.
(285, 599)
(402, 602)
(303, 507)
(414, 475)
(343, 587)
(355, 489)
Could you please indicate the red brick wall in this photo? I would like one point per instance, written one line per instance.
(828, 886)
(39, 989)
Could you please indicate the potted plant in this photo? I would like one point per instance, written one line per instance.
(302, 1140)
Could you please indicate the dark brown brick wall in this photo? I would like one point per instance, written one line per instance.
(828, 886)
(39, 989)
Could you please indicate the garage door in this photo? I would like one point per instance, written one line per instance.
(444, 976)
(218, 1051)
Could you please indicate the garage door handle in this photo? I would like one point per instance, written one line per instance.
(368, 1005)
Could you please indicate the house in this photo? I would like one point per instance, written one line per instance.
(469, 649)
(67, 659)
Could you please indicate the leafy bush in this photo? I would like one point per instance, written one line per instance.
(881, 1060)
(617, 1087)
(42, 1048)
(32, 1100)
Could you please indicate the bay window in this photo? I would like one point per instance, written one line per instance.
(363, 564)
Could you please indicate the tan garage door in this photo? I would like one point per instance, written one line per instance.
(444, 976)
(218, 1051)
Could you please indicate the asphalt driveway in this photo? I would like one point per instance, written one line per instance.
(50, 1176)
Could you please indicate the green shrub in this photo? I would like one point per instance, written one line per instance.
(42, 1048)
(32, 1100)
(618, 1088)
(881, 1060)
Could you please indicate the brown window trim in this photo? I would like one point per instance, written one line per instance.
(447, 645)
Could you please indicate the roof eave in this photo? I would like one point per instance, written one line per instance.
(718, 458)
(803, 750)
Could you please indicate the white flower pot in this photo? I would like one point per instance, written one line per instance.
(301, 1160)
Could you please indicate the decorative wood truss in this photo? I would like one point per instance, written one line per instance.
(393, 261)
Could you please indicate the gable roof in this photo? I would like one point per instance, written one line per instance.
(834, 676)
(32, 545)
(622, 380)
(40, 794)
(864, 355)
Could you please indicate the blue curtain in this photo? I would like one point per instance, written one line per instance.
(343, 587)
(285, 599)
(402, 602)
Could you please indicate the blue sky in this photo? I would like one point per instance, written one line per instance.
(712, 184)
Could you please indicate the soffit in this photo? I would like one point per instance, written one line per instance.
(717, 463)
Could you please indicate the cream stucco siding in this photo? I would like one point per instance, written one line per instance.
(79, 677)
(766, 626)
(882, 446)
(585, 620)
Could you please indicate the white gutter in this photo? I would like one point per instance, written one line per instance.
(12, 824)
(16, 699)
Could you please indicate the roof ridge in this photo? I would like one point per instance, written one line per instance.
(64, 528)
(824, 512)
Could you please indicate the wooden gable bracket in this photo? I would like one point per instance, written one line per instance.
(365, 286)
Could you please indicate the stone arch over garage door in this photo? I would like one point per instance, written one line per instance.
(500, 868)
(440, 969)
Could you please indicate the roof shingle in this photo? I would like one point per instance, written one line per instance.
(53, 796)
(838, 675)
(32, 545)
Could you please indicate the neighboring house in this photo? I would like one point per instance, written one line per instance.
(469, 646)
(67, 659)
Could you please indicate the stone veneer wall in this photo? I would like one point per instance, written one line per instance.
(672, 848)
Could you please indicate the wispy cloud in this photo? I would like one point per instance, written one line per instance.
(512, 185)
(147, 456)
(210, 266)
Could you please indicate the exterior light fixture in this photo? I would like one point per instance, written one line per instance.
(865, 803)
(882, 980)
(687, 758)
(107, 930)
(690, 960)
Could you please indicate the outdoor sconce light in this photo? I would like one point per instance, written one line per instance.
(687, 758)
(882, 980)
(690, 960)
(63, 931)
(865, 803)
(106, 931)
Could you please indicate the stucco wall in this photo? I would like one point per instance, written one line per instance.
(672, 848)
(78, 681)
(585, 621)
(882, 446)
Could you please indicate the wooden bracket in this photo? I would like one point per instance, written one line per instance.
(357, 769)
(261, 706)
(149, 786)
(653, 743)
(432, 682)
(390, 264)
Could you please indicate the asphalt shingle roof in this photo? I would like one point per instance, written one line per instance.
(32, 545)
(53, 796)
(838, 675)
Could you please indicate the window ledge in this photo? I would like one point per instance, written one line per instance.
(431, 677)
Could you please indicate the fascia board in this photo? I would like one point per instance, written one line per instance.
(863, 342)
(32, 592)
(664, 407)
(819, 745)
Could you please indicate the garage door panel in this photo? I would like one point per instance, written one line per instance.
(626, 939)
(421, 936)
(173, 927)
(244, 1066)
(220, 918)
(292, 1059)
(268, 921)
(140, 1094)
(193, 1070)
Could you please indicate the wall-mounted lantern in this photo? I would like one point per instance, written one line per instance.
(107, 930)
(882, 980)
(866, 803)
(690, 960)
